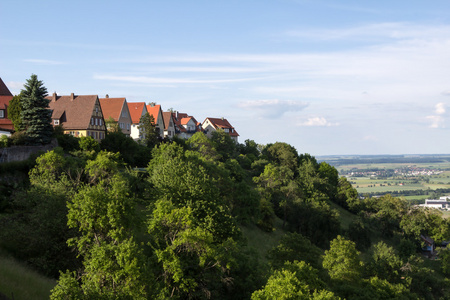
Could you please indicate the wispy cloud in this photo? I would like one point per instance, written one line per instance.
(45, 62)
(394, 30)
(273, 108)
(316, 122)
(167, 80)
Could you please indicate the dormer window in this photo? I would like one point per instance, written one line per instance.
(2, 113)
(55, 122)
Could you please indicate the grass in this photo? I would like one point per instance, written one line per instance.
(345, 217)
(19, 282)
(263, 241)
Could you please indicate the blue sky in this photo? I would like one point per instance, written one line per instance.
(328, 77)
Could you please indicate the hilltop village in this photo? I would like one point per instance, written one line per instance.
(90, 115)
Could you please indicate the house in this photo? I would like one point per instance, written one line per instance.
(6, 125)
(155, 111)
(212, 124)
(117, 109)
(79, 115)
(185, 125)
(169, 125)
(437, 204)
(137, 110)
(429, 245)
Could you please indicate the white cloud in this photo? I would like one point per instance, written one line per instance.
(440, 108)
(437, 120)
(273, 108)
(317, 122)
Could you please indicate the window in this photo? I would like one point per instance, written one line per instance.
(96, 121)
(2, 113)
(100, 122)
(92, 121)
(128, 126)
(55, 122)
(121, 125)
(124, 114)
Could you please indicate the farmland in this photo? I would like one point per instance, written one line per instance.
(413, 177)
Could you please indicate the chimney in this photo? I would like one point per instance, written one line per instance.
(72, 96)
(54, 97)
(222, 118)
(107, 96)
(152, 104)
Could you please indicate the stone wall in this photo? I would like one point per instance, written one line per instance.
(19, 153)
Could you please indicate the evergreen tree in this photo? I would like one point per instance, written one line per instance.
(36, 117)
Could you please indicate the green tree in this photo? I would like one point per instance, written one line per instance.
(342, 260)
(331, 176)
(36, 117)
(292, 247)
(282, 154)
(200, 143)
(147, 129)
(224, 144)
(14, 112)
(297, 280)
(112, 125)
(114, 266)
(385, 263)
(347, 196)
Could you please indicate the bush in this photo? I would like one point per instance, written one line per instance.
(18, 138)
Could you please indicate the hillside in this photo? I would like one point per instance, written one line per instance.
(212, 219)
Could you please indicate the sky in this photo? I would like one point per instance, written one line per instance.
(327, 77)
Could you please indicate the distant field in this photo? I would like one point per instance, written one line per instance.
(375, 183)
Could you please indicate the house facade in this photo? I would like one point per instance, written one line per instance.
(169, 125)
(212, 124)
(185, 125)
(441, 203)
(6, 125)
(155, 111)
(117, 109)
(136, 110)
(79, 115)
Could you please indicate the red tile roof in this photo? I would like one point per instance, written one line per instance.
(221, 123)
(135, 109)
(5, 97)
(167, 115)
(111, 107)
(4, 91)
(78, 110)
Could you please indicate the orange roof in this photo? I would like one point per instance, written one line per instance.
(154, 111)
(77, 110)
(112, 107)
(135, 109)
(184, 121)
(222, 124)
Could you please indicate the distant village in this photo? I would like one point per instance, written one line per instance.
(85, 115)
(410, 171)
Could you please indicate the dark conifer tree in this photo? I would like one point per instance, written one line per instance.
(36, 117)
